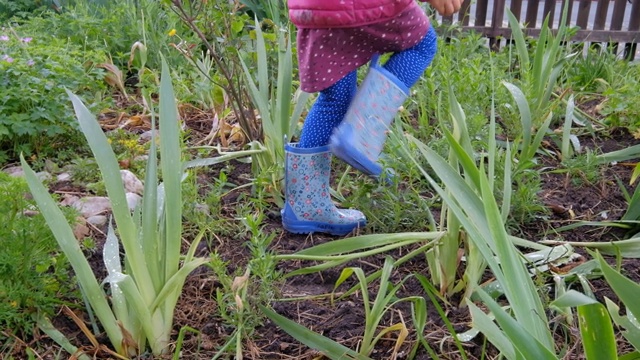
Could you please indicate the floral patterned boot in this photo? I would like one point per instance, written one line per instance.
(359, 138)
(308, 206)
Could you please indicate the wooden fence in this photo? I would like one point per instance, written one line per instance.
(600, 21)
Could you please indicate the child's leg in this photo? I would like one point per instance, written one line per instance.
(410, 64)
(361, 136)
(327, 112)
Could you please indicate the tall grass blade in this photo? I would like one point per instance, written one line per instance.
(151, 209)
(620, 155)
(596, 330)
(529, 347)
(629, 248)
(69, 245)
(171, 154)
(110, 171)
(521, 45)
(525, 116)
(629, 323)
(627, 290)
(494, 334)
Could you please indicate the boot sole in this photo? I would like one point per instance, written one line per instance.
(306, 227)
(341, 149)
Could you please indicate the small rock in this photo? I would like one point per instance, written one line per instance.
(64, 177)
(44, 176)
(97, 220)
(15, 171)
(133, 200)
(92, 205)
(203, 209)
(69, 200)
(131, 182)
(146, 136)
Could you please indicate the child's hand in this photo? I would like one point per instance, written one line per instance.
(446, 7)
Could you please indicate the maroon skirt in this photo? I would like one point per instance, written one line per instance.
(327, 55)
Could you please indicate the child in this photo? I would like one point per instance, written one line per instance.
(335, 38)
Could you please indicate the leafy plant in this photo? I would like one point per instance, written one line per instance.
(539, 74)
(34, 72)
(479, 214)
(33, 273)
(274, 103)
(23, 8)
(221, 44)
(618, 107)
(592, 72)
(145, 292)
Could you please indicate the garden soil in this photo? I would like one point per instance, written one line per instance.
(568, 197)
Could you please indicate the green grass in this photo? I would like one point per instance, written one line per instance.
(498, 196)
(33, 272)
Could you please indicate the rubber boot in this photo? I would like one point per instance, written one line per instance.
(308, 207)
(360, 137)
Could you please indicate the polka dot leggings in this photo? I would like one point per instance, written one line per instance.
(332, 103)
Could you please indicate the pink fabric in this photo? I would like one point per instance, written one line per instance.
(327, 55)
(343, 13)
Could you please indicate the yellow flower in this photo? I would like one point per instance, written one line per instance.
(172, 32)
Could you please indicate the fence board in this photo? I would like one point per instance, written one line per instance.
(532, 13)
(481, 12)
(549, 10)
(607, 21)
(601, 14)
(583, 13)
(516, 8)
(634, 25)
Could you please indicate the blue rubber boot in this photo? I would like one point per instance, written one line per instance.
(308, 207)
(359, 139)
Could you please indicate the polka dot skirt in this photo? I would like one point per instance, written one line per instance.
(327, 55)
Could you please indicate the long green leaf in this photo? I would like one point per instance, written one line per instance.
(170, 155)
(519, 287)
(633, 209)
(283, 90)
(111, 258)
(357, 243)
(497, 337)
(150, 216)
(328, 347)
(598, 339)
(630, 325)
(521, 45)
(629, 248)
(620, 155)
(482, 220)
(69, 245)
(47, 327)
(530, 347)
(627, 290)
(110, 171)
(525, 116)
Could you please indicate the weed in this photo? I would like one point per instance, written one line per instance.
(33, 273)
(526, 205)
(592, 72)
(34, 72)
(620, 108)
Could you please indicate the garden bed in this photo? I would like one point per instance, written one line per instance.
(304, 298)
